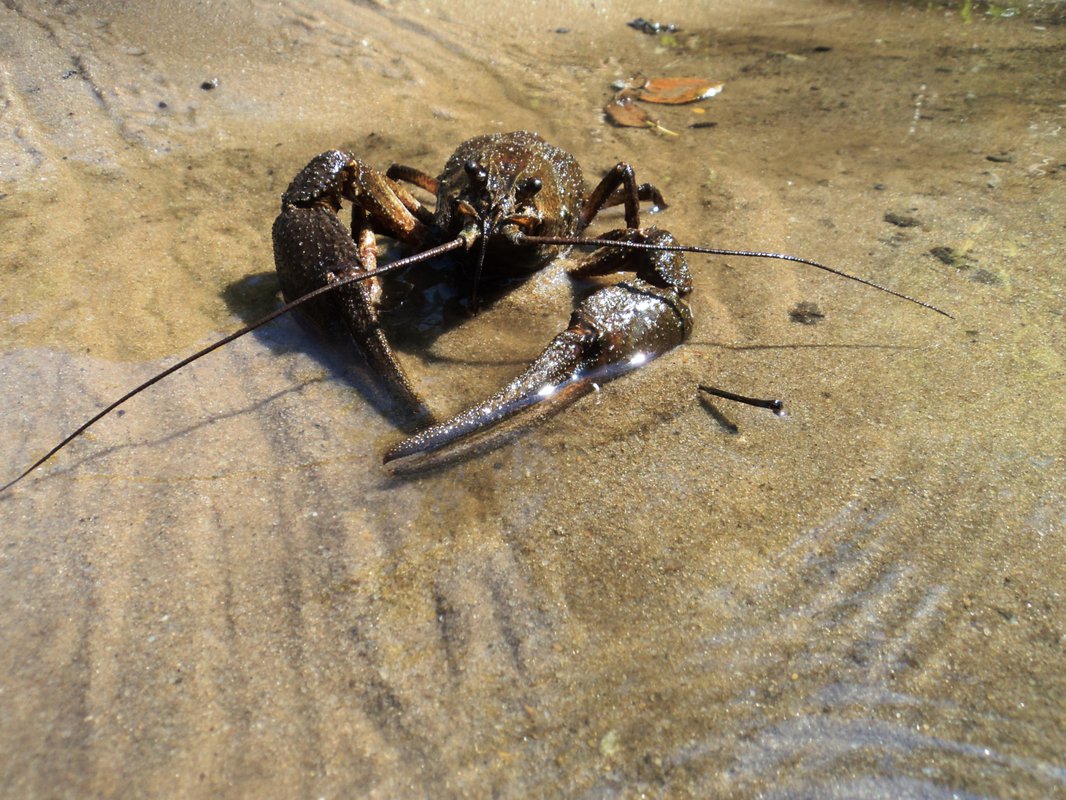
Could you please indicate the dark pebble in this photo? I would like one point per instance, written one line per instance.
(806, 313)
(901, 220)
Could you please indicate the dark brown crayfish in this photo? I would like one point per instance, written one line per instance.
(510, 201)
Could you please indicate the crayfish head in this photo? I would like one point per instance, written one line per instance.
(490, 210)
(497, 206)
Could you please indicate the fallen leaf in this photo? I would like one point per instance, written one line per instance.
(622, 111)
(675, 91)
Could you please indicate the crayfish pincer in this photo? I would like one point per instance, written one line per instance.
(616, 328)
(506, 203)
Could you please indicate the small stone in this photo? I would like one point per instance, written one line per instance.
(902, 219)
(609, 744)
(806, 313)
(951, 257)
(987, 277)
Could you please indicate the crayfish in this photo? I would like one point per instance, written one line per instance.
(506, 203)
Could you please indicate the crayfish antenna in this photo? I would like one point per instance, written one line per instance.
(273, 315)
(718, 251)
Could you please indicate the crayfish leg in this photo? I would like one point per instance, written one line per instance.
(661, 267)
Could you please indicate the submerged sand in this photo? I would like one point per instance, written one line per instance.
(221, 593)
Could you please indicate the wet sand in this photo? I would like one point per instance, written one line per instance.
(220, 592)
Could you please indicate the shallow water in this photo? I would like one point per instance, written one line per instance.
(220, 592)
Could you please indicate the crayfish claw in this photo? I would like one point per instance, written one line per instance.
(310, 244)
(616, 329)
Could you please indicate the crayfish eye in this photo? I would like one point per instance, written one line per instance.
(529, 187)
(477, 174)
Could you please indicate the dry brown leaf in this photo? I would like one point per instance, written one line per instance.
(624, 112)
(675, 91)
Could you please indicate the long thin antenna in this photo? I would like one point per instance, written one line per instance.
(681, 248)
(455, 244)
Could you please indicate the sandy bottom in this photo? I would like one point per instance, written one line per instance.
(220, 592)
